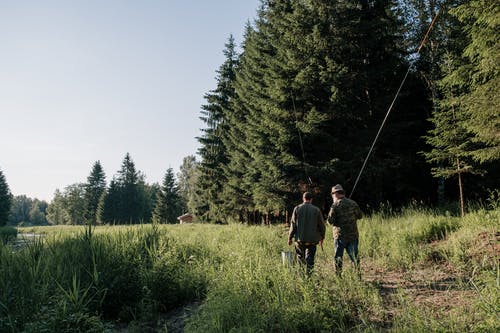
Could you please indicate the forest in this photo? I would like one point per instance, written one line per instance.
(298, 105)
(299, 108)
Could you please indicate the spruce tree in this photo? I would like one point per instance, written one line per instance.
(128, 185)
(467, 116)
(213, 151)
(108, 209)
(313, 89)
(237, 191)
(5, 200)
(167, 200)
(478, 77)
(95, 186)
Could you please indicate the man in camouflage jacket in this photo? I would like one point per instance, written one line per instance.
(308, 228)
(343, 216)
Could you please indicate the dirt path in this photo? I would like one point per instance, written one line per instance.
(437, 288)
(173, 321)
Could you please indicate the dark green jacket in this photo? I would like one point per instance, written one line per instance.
(307, 224)
(343, 216)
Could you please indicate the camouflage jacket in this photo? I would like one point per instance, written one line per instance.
(307, 224)
(343, 216)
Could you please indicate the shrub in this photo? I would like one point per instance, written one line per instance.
(7, 234)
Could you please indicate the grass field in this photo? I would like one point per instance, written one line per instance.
(421, 272)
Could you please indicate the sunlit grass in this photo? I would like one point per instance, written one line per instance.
(68, 278)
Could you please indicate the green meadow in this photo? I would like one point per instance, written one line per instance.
(422, 271)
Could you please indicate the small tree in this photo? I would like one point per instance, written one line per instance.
(5, 200)
(56, 213)
(95, 186)
(167, 204)
(188, 185)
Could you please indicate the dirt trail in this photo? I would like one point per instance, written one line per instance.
(435, 287)
(173, 321)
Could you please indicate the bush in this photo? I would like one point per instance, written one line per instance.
(7, 234)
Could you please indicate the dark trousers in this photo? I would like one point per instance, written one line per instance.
(305, 255)
(351, 248)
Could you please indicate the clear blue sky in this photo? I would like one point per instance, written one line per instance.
(88, 80)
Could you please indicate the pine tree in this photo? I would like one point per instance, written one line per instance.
(108, 209)
(5, 200)
(167, 202)
(478, 77)
(124, 202)
(467, 117)
(128, 184)
(95, 186)
(312, 90)
(213, 151)
(237, 191)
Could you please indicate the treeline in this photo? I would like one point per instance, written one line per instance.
(299, 107)
(127, 199)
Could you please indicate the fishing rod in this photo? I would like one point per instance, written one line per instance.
(392, 104)
(301, 144)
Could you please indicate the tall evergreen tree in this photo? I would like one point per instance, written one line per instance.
(167, 202)
(108, 209)
(213, 151)
(95, 186)
(466, 123)
(311, 101)
(5, 200)
(237, 191)
(478, 77)
(128, 183)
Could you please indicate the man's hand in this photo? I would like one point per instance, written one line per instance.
(289, 242)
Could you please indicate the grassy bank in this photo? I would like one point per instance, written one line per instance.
(421, 272)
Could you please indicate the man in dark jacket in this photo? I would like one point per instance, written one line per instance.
(308, 228)
(343, 215)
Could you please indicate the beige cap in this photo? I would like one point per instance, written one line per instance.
(337, 188)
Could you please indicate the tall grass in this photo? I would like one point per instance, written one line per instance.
(73, 280)
(251, 291)
(401, 241)
(67, 282)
